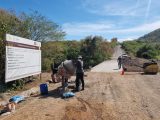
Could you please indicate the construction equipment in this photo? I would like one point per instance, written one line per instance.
(150, 67)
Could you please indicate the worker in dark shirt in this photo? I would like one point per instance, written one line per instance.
(54, 68)
(79, 73)
(119, 60)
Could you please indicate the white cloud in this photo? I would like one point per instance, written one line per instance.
(81, 28)
(142, 28)
(102, 28)
(127, 39)
(122, 18)
(115, 9)
(120, 7)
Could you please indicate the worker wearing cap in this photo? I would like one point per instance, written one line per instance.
(79, 73)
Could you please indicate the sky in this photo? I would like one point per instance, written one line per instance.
(124, 19)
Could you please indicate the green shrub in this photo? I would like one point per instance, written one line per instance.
(147, 52)
(95, 50)
(131, 47)
(2, 61)
(46, 64)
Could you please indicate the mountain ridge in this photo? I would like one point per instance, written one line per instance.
(153, 36)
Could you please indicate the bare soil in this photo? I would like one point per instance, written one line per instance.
(44, 77)
(107, 96)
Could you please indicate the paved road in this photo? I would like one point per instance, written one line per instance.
(109, 65)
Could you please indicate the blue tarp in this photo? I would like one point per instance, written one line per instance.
(16, 99)
(68, 94)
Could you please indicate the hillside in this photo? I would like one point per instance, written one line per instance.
(147, 46)
(153, 36)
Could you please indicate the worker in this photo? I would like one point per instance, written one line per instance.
(79, 73)
(119, 60)
(54, 68)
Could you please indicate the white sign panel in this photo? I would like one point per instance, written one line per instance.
(23, 58)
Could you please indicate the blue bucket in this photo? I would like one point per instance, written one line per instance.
(44, 89)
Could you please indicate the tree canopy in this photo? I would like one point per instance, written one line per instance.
(95, 50)
(9, 23)
(33, 26)
(39, 28)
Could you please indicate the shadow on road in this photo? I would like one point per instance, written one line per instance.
(56, 93)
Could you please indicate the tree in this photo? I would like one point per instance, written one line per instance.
(95, 50)
(72, 49)
(114, 40)
(39, 28)
(9, 23)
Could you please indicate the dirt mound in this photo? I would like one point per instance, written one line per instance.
(83, 110)
(79, 110)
